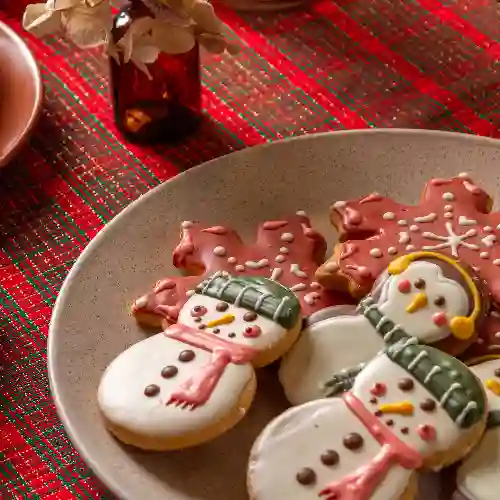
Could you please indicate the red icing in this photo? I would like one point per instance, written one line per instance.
(194, 255)
(440, 319)
(164, 285)
(252, 332)
(371, 231)
(215, 230)
(197, 390)
(378, 389)
(348, 251)
(404, 286)
(472, 187)
(426, 432)
(274, 224)
(362, 483)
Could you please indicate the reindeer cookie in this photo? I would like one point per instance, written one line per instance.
(477, 477)
(196, 380)
(411, 408)
(424, 294)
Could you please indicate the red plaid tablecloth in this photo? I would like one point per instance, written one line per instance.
(335, 65)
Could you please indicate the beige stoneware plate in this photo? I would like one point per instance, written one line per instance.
(91, 323)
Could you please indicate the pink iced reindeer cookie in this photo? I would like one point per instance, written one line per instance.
(411, 408)
(196, 379)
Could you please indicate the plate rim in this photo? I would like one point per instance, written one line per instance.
(37, 107)
(84, 449)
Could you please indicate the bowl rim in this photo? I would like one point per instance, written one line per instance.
(85, 448)
(31, 62)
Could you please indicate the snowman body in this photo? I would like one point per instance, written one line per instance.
(418, 302)
(196, 379)
(477, 476)
(403, 410)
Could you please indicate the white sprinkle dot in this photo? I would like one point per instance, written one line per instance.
(301, 213)
(463, 175)
(231, 260)
(402, 222)
(389, 216)
(410, 248)
(448, 208)
(219, 251)
(487, 229)
(280, 258)
(414, 229)
(283, 250)
(448, 196)
(496, 262)
(484, 255)
(448, 215)
(376, 252)
(339, 204)
(392, 250)
(288, 237)
(239, 268)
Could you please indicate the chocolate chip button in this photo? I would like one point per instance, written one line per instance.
(428, 405)
(187, 355)
(405, 430)
(231, 335)
(250, 316)
(406, 384)
(151, 390)
(497, 372)
(222, 306)
(169, 371)
(353, 441)
(329, 458)
(306, 476)
(389, 422)
(419, 283)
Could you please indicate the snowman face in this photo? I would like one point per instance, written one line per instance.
(423, 301)
(230, 322)
(405, 406)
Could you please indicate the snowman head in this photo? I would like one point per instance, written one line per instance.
(431, 296)
(252, 311)
(426, 398)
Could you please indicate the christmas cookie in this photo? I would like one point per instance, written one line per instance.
(412, 408)
(196, 380)
(287, 251)
(454, 218)
(477, 477)
(424, 294)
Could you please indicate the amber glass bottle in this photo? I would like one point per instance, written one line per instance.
(165, 108)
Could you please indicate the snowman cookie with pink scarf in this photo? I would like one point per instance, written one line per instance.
(412, 408)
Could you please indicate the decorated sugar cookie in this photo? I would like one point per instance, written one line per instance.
(477, 477)
(454, 217)
(196, 380)
(287, 251)
(412, 408)
(424, 294)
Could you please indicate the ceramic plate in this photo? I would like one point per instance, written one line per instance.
(20, 93)
(91, 323)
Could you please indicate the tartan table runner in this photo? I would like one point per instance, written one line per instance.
(331, 66)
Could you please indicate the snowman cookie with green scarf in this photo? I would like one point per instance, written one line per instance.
(196, 379)
(412, 408)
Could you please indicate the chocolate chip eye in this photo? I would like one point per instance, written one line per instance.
(250, 316)
(222, 306)
(198, 311)
(419, 283)
(440, 301)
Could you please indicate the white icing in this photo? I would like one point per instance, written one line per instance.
(252, 264)
(448, 215)
(288, 237)
(219, 251)
(298, 437)
(484, 255)
(477, 477)
(232, 260)
(392, 250)
(404, 238)
(295, 269)
(298, 287)
(284, 250)
(376, 252)
(489, 240)
(324, 348)
(280, 258)
(187, 224)
(402, 222)
(452, 240)
(414, 229)
(280, 307)
(448, 197)
(122, 400)
(276, 273)
(487, 229)
(463, 221)
(315, 285)
(389, 216)
(141, 302)
(433, 371)
(496, 262)
(426, 218)
(339, 204)
(239, 268)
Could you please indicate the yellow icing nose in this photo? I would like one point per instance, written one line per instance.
(493, 386)
(223, 320)
(419, 302)
(401, 408)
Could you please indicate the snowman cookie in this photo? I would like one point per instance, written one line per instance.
(196, 379)
(424, 294)
(477, 477)
(411, 408)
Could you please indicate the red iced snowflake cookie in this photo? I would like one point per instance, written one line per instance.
(453, 218)
(287, 250)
